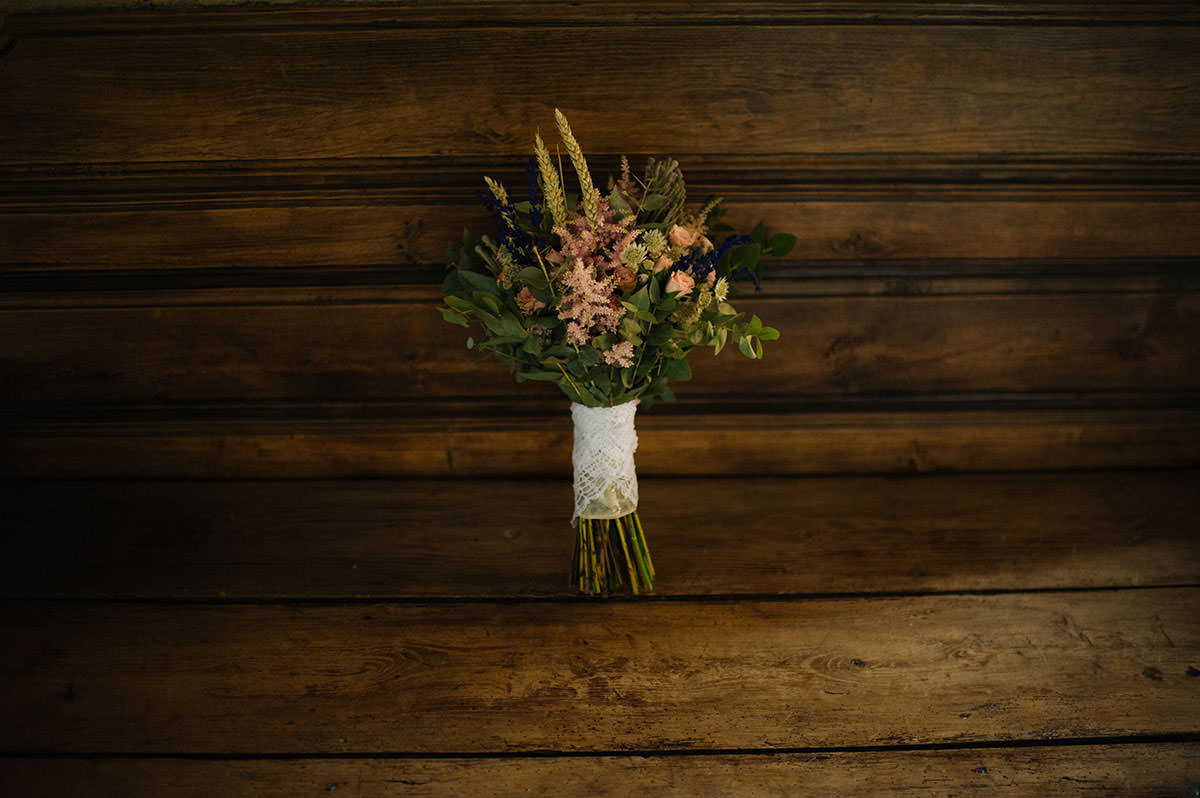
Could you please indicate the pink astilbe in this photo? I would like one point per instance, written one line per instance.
(621, 354)
(601, 247)
(587, 303)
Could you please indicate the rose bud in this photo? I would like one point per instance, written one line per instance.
(680, 282)
(681, 236)
(626, 279)
(528, 303)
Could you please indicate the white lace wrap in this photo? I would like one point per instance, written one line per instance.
(605, 480)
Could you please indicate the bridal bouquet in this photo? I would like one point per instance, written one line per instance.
(605, 294)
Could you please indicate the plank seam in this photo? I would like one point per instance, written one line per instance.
(680, 598)
(975, 745)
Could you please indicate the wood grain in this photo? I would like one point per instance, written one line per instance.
(350, 344)
(410, 238)
(503, 538)
(599, 676)
(309, 92)
(296, 446)
(1150, 771)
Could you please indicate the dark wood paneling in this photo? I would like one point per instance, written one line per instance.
(570, 677)
(408, 241)
(252, 90)
(1166, 770)
(204, 443)
(323, 540)
(386, 344)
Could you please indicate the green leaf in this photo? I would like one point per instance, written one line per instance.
(654, 202)
(479, 282)
(487, 301)
(768, 334)
(654, 289)
(722, 337)
(618, 202)
(454, 317)
(759, 233)
(501, 340)
(458, 303)
(746, 257)
(658, 336)
(543, 376)
(677, 370)
(745, 347)
(754, 326)
(600, 378)
(781, 244)
(510, 325)
(640, 300)
(533, 277)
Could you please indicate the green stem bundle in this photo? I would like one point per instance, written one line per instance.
(611, 555)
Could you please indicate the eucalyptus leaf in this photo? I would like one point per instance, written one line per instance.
(533, 277)
(458, 303)
(781, 244)
(454, 317)
(677, 370)
(542, 376)
(746, 257)
(479, 282)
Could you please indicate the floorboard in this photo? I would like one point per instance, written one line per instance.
(1167, 770)
(600, 675)
(505, 538)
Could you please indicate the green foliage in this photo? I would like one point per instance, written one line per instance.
(511, 298)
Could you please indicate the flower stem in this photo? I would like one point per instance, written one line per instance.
(611, 555)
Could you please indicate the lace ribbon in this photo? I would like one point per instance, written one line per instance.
(605, 479)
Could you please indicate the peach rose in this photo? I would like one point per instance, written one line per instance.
(663, 262)
(528, 303)
(705, 245)
(626, 279)
(680, 282)
(681, 236)
(711, 278)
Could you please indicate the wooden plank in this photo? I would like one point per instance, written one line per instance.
(599, 675)
(503, 538)
(295, 446)
(1145, 770)
(318, 90)
(340, 344)
(411, 237)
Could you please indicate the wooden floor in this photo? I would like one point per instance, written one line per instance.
(1024, 634)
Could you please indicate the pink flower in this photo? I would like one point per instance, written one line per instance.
(554, 256)
(711, 278)
(621, 354)
(626, 280)
(681, 282)
(528, 303)
(705, 245)
(663, 262)
(681, 236)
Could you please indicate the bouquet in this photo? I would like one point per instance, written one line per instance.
(605, 294)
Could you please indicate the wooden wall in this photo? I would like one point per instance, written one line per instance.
(222, 230)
